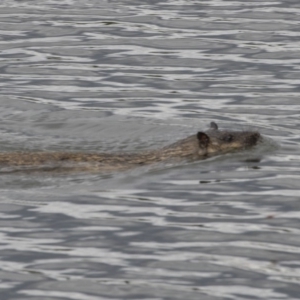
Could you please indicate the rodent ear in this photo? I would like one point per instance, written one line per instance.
(213, 125)
(203, 138)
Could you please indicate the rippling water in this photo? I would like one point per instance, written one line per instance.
(130, 75)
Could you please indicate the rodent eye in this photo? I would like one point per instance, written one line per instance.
(228, 138)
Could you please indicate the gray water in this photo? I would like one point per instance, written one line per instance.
(131, 75)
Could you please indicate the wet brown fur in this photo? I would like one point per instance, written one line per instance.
(197, 146)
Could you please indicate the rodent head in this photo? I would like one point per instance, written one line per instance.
(211, 142)
(215, 141)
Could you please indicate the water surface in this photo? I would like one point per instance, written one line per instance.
(131, 75)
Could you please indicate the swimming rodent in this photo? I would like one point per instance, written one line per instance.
(195, 147)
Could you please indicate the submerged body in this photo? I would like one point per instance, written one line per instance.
(195, 147)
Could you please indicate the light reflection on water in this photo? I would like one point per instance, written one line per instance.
(125, 76)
